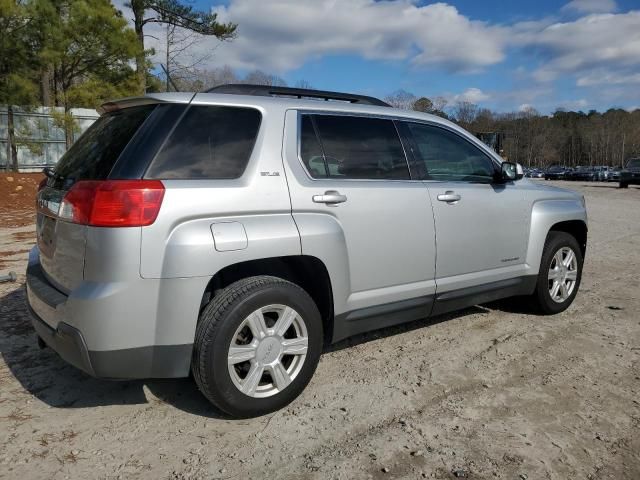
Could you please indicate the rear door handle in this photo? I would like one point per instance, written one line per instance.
(449, 196)
(330, 197)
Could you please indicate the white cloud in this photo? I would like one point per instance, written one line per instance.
(591, 48)
(591, 6)
(603, 77)
(281, 35)
(473, 95)
(599, 41)
(579, 104)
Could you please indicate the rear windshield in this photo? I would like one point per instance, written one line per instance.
(209, 143)
(95, 153)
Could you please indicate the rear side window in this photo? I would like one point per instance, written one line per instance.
(95, 153)
(350, 147)
(208, 143)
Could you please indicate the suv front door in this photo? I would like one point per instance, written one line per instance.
(358, 210)
(481, 225)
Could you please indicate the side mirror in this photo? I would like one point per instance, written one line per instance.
(509, 171)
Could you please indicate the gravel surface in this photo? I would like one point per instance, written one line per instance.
(489, 392)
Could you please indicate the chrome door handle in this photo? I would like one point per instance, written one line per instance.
(330, 197)
(449, 196)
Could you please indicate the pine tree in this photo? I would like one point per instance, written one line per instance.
(173, 12)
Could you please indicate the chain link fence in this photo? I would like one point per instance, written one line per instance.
(39, 141)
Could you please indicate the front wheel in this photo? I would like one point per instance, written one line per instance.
(560, 273)
(624, 185)
(257, 345)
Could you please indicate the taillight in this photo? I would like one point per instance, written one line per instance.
(113, 203)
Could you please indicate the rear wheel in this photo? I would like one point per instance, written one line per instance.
(624, 185)
(257, 346)
(560, 273)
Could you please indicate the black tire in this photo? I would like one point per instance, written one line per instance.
(624, 185)
(217, 326)
(541, 298)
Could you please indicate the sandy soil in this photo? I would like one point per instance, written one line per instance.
(490, 392)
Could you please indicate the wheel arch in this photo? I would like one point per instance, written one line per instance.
(577, 229)
(566, 215)
(306, 271)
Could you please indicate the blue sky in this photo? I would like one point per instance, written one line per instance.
(504, 55)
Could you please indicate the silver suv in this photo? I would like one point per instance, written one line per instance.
(234, 233)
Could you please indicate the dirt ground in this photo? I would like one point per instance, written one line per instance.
(489, 392)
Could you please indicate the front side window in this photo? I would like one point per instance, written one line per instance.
(634, 163)
(348, 147)
(210, 142)
(448, 157)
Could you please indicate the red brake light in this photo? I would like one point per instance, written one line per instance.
(113, 203)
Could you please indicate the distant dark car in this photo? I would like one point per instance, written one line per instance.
(537, 173)
(555, 173)
(630, 175)
(614, 176)
(583, 174)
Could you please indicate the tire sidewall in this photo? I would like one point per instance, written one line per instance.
(228, 397)
(555, 242)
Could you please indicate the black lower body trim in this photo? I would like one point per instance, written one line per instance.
(489, 292)
(66, 340)
(157, 361)
(381, 316)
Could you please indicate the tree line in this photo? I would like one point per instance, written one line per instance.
(563, 138)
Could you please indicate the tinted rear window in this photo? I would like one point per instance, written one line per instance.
(95, 153)
(353, 147)
(209, 142)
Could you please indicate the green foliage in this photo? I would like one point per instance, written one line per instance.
(174, 12)
(18, 59)
(179, 14)
(90, 46)
(423, 104)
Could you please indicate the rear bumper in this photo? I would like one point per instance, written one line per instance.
(52, 314)
(67, 342)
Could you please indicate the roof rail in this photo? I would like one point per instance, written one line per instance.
(271, 91)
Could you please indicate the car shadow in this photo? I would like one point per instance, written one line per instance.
(590, 185)
(51, 380)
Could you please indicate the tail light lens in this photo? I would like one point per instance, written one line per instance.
(113, 203)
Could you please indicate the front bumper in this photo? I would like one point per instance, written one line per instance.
(48, 309)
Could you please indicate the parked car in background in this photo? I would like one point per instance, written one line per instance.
(555, 173)
(630, 174)
(536, 173)
(583, 174)
(602, 173)
(614, 176)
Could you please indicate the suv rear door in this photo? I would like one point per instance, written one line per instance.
(358, 209)
(91, 157)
